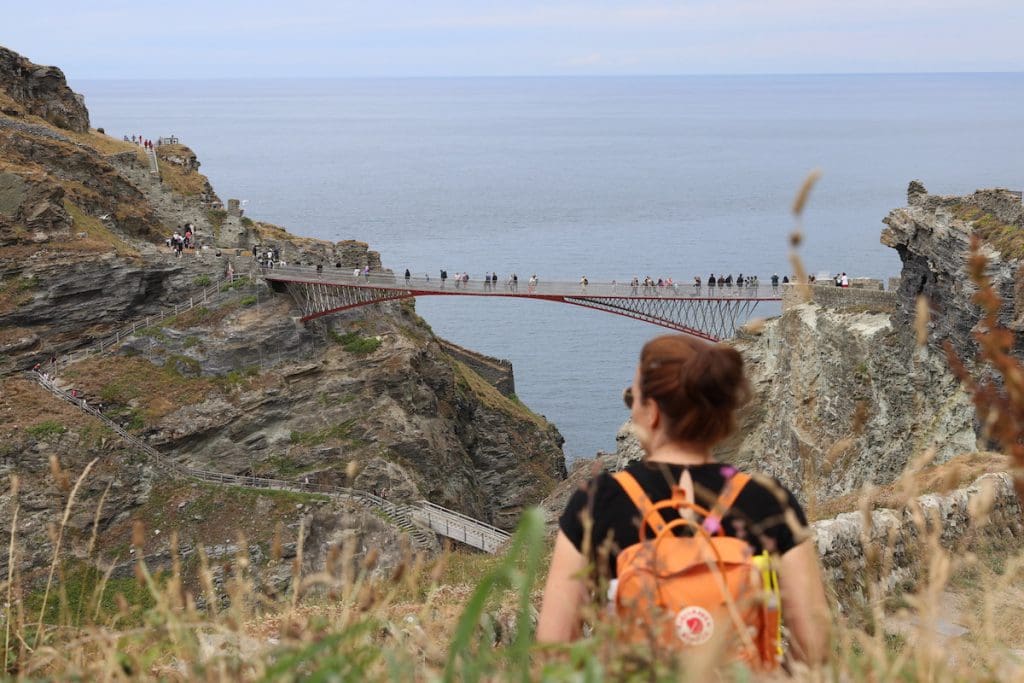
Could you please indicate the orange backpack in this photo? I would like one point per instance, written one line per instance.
(705, 590)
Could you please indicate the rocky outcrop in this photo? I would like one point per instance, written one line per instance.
(41, 91)
(83, 176)
(63, 302)
(932, 236)
(845, 399)
(988, 510)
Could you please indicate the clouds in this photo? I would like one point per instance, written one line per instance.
(258, 38)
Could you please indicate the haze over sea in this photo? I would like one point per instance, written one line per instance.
(564, 177)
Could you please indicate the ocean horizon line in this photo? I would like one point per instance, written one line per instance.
(539, 77)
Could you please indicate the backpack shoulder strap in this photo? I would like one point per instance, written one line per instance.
(733, 486)
(639, 497)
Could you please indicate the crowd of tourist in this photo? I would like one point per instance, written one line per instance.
(183, 238)
(647, 286)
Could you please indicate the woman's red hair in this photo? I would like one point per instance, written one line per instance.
(698, 386)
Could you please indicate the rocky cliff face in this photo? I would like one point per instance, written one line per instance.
(932, 236)
(41, 91)
(368, 399)
(845, 399)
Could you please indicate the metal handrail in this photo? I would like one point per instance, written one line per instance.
(454, 513)
(477, 286)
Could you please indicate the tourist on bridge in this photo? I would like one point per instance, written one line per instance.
(408, 276)
(712, 282)
(775, 282)
(366, 272)
(696, 283)
(583, 283)
(444, 276)
(532, 284)
(515, 283)
(487, 281)
(785, 279)
(633, 285)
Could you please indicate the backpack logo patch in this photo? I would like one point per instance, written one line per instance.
(694, 625)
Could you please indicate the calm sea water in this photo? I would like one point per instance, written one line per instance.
(564, 177)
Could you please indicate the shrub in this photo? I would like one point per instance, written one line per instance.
(353, 342)
(201, 281)
(249, 300)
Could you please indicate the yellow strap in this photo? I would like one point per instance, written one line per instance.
(639, 497)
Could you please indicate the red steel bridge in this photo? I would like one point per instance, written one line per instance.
(712, 313)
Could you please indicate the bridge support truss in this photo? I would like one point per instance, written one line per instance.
(711, 319)
(317, 299)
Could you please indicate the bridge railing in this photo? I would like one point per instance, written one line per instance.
(460, 527)
(505, 287)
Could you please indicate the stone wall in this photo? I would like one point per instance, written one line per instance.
(496, 371)
(987, 509)
(840, 298)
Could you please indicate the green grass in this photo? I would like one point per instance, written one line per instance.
(1007, 239)
(216, 218)
(46, 429)
(152, 331)
(282, 465)
(201, 281)
(317, 437)
(235, 378)
(237, 283)
(248, 300)
(355, 343)
(79, 599)
(183, 366)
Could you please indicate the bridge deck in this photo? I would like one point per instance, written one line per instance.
(420, 286)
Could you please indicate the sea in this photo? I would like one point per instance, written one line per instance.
(566, 177)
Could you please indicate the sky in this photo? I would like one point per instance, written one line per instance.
(368, 38)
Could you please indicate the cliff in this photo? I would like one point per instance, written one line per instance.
(40, 91)
(235, 384)
(932, 236)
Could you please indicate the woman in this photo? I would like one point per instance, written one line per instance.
(683, 401)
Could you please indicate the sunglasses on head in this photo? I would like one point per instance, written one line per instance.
(627, 397)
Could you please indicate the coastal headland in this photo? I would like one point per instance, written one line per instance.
(181, 384)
